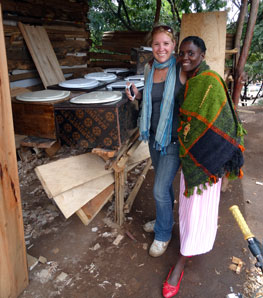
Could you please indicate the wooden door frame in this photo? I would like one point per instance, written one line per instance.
(13, 262)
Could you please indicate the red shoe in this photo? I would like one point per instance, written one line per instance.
(169, 290)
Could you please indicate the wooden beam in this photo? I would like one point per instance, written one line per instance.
(93, 207)
(136, 188)
(119, 196)
(13, 264)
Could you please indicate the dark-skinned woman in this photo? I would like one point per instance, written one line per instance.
(211, 145)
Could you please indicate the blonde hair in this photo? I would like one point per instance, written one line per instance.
(158, 29)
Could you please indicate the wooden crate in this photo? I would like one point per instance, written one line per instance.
(92, 126)
(34, 119)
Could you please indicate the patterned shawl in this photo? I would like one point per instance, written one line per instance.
(164, 128)
(210, 132)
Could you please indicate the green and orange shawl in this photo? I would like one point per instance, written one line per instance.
(210, 132)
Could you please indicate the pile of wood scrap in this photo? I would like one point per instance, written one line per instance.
(236, 265)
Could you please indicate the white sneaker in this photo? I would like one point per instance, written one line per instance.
(158, 248)
(149, 226)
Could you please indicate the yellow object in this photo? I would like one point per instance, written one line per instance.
(241, 222)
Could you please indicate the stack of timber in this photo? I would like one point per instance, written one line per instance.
(118, 45)
(81, 185)
(66, 25)
(122, 49)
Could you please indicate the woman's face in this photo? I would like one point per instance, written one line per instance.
(162, 47)
(190, 56)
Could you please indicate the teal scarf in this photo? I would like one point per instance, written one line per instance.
(164, 128)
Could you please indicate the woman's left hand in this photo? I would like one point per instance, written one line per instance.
(136, 92)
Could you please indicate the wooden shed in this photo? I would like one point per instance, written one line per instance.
(61, 30)
(66, 25)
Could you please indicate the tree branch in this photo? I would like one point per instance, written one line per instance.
(157, 12)
(240, 24)
(125, 11)
(175, 11)
(118, 14)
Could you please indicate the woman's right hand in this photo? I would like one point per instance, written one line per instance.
(136, 92)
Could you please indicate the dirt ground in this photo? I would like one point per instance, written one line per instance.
(84, 262)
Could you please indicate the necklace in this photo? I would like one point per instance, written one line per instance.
(161, 75)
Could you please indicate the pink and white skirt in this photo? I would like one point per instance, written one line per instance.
(198, 217)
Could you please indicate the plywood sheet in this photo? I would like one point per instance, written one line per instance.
(43, 54)
(72, 200)
(64, 174)
(211, 27)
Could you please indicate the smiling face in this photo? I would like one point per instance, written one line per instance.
(190, 57)
(162, 46)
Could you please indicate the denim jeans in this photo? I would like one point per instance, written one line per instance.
(165, 167)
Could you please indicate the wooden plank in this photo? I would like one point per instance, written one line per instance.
(106, 64)
(51, 151)
(83, 217)
(73, 60)
(119, 178)
(106, 154)
(136, 188)
(211, 27)
(72, 200)
(72, 45)
(64, 174)
(43, 54)
(23, 76)
(19, 64)
(52, 9)
(34, 74)
(13, 263)
(120, 49)
(93, 207)
(106, 56)
(124, 159)
(18, 90)
(37, 142)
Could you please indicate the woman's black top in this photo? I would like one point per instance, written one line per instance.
(157, 95)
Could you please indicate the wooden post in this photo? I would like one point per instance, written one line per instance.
(13, 263)
(119, 196)
(136, 188)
